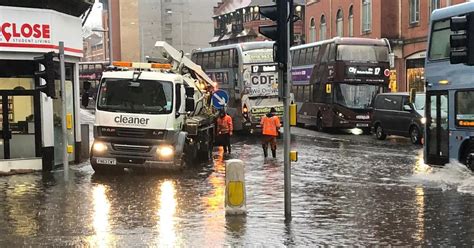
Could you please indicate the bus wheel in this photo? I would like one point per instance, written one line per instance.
(379, 133)
(415, 135)
(468, 156)
(319, 123)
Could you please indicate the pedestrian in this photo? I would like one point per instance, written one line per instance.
(270, 125)
(224, 130)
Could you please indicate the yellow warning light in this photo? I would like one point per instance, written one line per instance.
(161, 66)
(443, 82)
(70, 149)
(122, 64)
(293, 156)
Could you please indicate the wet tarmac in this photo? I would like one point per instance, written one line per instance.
(347, 190)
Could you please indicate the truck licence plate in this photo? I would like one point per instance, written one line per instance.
(362, 125)
(108, 161)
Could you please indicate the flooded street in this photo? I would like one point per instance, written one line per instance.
(346, 189)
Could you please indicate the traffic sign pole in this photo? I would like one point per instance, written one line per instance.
(286, 123)
(64, 112)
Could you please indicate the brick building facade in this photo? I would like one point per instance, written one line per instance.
(405, 23)
(237, 21)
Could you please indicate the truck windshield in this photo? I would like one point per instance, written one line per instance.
(355, 96)
(142, 96)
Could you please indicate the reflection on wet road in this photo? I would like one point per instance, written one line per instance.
(347, 190)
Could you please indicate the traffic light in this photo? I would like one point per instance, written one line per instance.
(48, 74)
(279, 32)
(462, 39)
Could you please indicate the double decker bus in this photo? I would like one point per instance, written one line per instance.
(91, 72)
(449, 132)
(334, 82)
(247, 72)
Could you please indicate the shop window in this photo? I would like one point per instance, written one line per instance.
(416, 74)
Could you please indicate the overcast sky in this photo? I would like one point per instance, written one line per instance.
(95, 18)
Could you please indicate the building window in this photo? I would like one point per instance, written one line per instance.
(414, 11)
(434, 4)
(169, 27)
(351, 21)
(322, 28)
(339, 23)
(312, 30)
(169, 41)
(366, 15)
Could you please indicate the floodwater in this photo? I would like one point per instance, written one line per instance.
(346, 190)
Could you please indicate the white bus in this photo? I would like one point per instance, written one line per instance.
(247, 72)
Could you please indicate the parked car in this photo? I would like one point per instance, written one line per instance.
(394, 115)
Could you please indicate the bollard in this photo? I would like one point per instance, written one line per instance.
(235, 198)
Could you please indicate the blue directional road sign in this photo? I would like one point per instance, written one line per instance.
(219, 99)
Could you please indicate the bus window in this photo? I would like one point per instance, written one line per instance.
(301, 58)
(294, 57)
(199, 59)
(218, 64)
(441, 33)
(362, 53)
(212, 60)
(324, 53)
(234, 58)
(308, 94)
(464, 108)
(308, 56)
(332, 52)
(205, 60)
(301, 90)
(226, 59)
(315, 55)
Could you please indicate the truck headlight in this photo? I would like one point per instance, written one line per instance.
(99, 147)
(423, 120)
(165, 151)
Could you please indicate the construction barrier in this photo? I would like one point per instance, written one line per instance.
(235, 196)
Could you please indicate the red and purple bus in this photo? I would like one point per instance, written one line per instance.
(335, 81)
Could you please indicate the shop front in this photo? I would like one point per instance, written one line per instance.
(30, 128)
(415, 71)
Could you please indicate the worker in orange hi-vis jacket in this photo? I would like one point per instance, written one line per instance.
(270, 125)
(224, 130)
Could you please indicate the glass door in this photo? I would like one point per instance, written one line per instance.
(18, 134)
(437, 129)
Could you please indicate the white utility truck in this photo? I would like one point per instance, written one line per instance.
(153, 115)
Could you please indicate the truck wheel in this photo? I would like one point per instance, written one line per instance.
(379, 133)
(415, 135)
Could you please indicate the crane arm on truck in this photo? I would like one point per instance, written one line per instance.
(179, 61)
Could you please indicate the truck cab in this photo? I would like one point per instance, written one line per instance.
(146, 119)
